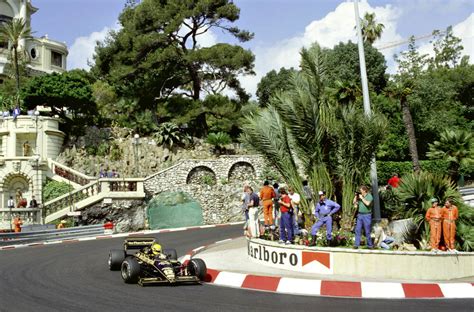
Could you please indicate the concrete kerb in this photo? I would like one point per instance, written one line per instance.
(331, 288)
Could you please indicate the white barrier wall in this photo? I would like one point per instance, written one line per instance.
(363, 263)
(299, 260)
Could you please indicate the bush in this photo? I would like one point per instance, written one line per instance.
(208, 179)
(169, 134)
(385, 169)
(218, 140)
(53, 189)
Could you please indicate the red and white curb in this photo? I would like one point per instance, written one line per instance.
(132, 234)
(315, 287)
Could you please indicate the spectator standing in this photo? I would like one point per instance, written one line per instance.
(276, 205)
(394, 181)
(363, 202)
(17, 223)
(266, 195)
(295, 211)
(11, 202)
(16, 112)
(435, 219)
(61, 225)
(286, 222)
(450, 214)
(324, 210)
(245, 205)
(33, 202)
(102, 173)
(254, 223)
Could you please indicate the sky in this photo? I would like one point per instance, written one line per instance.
(281, 27)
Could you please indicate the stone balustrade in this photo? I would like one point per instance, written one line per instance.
(70, 174)
(28, 215)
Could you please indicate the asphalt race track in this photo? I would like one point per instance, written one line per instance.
(75, 277)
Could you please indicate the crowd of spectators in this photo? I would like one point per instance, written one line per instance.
(283, 220)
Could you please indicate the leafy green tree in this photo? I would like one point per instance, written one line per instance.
(68, 94)
(157, 53)
(343, 60)
(346, 92)
(410, 66)
(223, 114)
(447, 48)
(457, 147)
(13, 32)
(371, 30)
(272, 83)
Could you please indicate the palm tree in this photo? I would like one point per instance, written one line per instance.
(457, 147)
(401, 91)
(302, 133)
(14, 32)
(371, 30)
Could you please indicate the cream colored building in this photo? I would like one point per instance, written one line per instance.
(27, 142)
(45, 55)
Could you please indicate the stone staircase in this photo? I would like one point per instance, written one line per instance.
(87, 191)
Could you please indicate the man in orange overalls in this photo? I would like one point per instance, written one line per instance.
(449, 214)
(17, 223)
(267, 194)
(434, 217)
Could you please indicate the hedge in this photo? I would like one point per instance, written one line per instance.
(385, 169)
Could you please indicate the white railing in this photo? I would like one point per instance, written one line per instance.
(105, 187)
(69, 173)
(28, 215)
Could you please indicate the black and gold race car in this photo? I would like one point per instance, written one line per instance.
(152, 265)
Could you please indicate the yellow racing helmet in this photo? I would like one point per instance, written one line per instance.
(156, 248)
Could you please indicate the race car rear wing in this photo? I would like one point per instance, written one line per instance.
(138, 242)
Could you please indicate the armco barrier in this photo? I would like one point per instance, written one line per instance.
(45, 235)
(377, 264)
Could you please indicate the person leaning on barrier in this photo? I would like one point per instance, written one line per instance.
(33, 202)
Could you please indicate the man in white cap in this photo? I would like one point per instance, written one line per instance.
(325, 208)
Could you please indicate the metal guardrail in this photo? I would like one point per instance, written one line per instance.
(466, 191)
(50, 235)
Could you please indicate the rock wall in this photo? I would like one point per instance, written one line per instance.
(127, 215)
(216, 184)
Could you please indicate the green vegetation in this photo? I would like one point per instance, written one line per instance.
(219, 140)
(53, 189)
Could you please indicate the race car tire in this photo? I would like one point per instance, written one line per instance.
(130, 270)
(198, 268)
(116, 257)
(171, 253)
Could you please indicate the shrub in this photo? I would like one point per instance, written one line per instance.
(218, 140)
(169, 134)
(53, 189)
(208, 179)
(385, 169)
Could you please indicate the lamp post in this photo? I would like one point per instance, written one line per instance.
(135, 142)
(367, 110)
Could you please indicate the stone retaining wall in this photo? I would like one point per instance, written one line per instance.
(216, 184)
